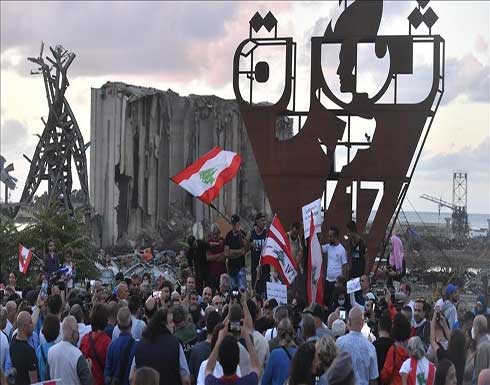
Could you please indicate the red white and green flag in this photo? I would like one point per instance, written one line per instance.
(207, 175)
(277, 252)
(25, 256)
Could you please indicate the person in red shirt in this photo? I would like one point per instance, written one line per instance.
(95, 344)
(215, 256)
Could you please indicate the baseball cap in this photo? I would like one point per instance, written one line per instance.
(451, 288)
(235, 219)
(370, 297)
(259, 216)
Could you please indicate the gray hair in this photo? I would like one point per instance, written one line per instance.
(77, 312)
(415, 348)
(215, 228)
(68, 326)
(124, 317)
(225, 279)
(3, 316)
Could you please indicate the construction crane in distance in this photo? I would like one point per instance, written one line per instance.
(459, 218)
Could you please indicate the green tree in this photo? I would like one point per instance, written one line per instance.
(45, 224)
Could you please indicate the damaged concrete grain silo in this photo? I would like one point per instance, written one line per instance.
(142, 136)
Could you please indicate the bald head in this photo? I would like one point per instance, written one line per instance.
(11, 307)
(484, 377)
(480, 325)
(24, 324)
(69, 329)
(356, 322)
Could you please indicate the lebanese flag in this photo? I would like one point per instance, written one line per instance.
(205, 177)
(315, 267)
(25, 256)
(277, 252)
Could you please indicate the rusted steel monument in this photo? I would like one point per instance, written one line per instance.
(297, 171)
(61, 140)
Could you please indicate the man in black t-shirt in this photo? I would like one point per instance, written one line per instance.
(22, 355)
(236, 244)
(258, 236)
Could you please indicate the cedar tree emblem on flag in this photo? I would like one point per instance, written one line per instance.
(206, 176)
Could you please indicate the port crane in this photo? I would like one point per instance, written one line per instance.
(459, 218)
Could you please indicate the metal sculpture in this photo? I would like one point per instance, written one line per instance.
(61, 138)
(298, 171)
(8, 180)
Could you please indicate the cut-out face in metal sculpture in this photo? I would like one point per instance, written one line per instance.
(297, 171)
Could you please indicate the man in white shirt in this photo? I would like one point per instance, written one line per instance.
(4, 342)
(336, 262)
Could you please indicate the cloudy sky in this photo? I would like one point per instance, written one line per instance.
(189, 47)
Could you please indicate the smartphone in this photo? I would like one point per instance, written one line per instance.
(342, 315)
(235, 327)
(157, 293)
(44, 289)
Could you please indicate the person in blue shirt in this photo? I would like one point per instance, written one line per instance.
(121, 350)
(277, 369)
(51, 330)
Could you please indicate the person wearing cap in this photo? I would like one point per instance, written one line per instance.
(236, 244)
(258, 236)
(481, 306)
(452, 298)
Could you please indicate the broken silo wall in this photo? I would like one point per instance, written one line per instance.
(140, 137)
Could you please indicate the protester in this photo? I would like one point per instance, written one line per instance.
(439, 332)
(298, 288)
(337, 263)
(260, 344)
(162, 351)
(215, 256)
(51, 331)
(137, 325)
(308, 329)
(22, 355)
(236, 244)
(326, 351)
(417, 369)
(185, 331)
(277, 369)
(121, 351)
(202, 350)
(94, 345)
(338, 328)
(341, 371)
(482, 338)
(146, 376)
(227, 352)
(449, 309)
(445, 373)
(456, 353)
(51, 260)
(397, 353)
(421, 327)
(356, 249)
(384, 340)
(318, 315)
(65, 360)
(4, 342)
(362, 352)
(258, 236)
(303, 368)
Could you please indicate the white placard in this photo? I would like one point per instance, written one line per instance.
(277, 291)
(314, 207)
(353, 285)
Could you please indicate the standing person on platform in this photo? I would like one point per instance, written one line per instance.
(51, 259)
(258, 236)
(236, 244)
(298, 287)
(356, 251)
(215, 256)
(336, 262)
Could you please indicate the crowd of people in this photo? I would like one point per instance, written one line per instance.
(216, 327)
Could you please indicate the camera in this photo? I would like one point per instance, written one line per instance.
(342, 315)
(157, 294)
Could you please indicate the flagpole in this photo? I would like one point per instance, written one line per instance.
(220, 213)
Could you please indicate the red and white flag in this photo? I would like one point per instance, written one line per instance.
(205, 177)
(25, 256)
(277, 252)
(316, 274)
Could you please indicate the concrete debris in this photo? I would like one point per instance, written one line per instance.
(140, 137)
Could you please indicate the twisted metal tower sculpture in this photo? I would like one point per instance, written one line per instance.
(61, 139)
